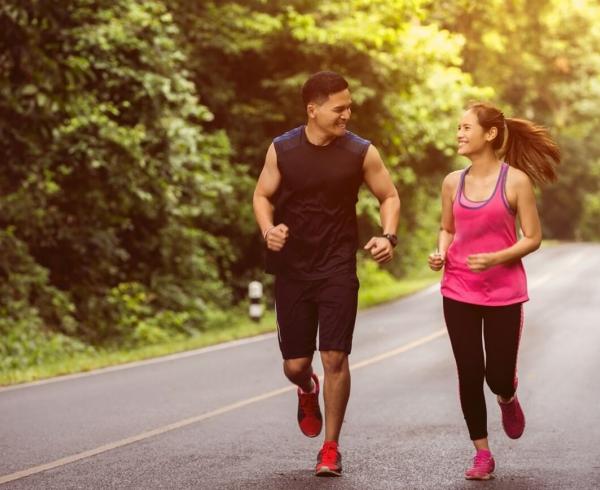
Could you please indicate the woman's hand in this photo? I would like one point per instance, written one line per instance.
(436, 261)
(481, 262)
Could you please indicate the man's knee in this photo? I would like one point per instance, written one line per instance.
(297, 368)
(334, 361)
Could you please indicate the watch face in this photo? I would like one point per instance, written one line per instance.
(392, 238)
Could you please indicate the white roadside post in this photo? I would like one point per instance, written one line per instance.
(255, 292)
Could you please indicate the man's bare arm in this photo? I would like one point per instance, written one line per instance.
(268, 182)
(380, 183)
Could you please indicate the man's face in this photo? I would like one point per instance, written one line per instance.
(332, 115)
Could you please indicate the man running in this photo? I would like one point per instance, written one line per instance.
(304, 204)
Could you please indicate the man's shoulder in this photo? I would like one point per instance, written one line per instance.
(288, 140)
(354, 143)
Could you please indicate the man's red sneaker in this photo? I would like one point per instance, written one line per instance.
(329, 460)
(310, 419)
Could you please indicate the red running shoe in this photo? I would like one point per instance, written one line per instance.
(310, 419)
(329, 460)
(513, 418)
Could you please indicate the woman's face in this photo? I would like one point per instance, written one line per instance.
(471, 136)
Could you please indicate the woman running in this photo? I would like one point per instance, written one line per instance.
(484, 283)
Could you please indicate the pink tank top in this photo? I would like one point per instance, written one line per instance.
(480, 227)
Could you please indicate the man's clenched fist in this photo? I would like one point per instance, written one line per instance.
(381, 249)
(276, 236)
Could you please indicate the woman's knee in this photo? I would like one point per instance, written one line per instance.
(500, 385)
(470, 374)
(470, 383)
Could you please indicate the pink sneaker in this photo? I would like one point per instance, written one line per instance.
(513, 418)
(483, 466)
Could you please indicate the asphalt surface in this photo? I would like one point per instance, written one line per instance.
(403, 429)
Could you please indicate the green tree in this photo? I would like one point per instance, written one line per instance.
(109, 177)
(250, 58)
(544, 67)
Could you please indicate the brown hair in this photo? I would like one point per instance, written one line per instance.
(528, 146)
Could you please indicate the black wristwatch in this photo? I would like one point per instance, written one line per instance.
(392, 238)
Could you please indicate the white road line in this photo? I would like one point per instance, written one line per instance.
(146, 362)
(434, 288)
(564, 268)
(538, 281)
(577, 257)
(198, 418)
(140, 437)
(399, 350)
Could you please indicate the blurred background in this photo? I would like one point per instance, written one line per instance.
(132, 134)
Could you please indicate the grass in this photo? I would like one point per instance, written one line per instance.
(377, 286)
(390, 289)
(105, 358)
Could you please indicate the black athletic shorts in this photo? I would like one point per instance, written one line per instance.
(304, 307)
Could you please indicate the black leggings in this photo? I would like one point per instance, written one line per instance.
(501, 333)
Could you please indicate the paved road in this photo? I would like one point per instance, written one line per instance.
(225, 417)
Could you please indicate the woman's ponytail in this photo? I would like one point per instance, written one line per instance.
(522, 143)
(530, 148)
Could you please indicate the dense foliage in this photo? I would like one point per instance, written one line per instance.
(131, 134)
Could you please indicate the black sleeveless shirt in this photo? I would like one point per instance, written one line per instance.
(316, 199)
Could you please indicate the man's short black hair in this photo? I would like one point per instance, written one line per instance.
(321, 85)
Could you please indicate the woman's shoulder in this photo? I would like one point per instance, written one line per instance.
(452, 178)
(517, 178)
(450, 183)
